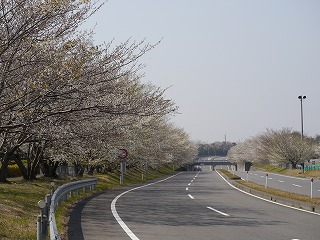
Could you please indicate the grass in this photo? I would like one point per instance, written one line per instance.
(229, 174)
(18, 201)
(19, 210)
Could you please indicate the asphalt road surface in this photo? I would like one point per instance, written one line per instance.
(190, 205)
(283, 182)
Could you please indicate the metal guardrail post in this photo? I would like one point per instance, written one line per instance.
(42, 221)
(47, 201)
(39, 229)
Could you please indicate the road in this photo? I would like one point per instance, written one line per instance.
(282, 182)
(190, 205)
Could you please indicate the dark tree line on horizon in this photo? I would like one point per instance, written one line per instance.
(214, 149)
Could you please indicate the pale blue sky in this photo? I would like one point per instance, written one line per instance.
(236, 67)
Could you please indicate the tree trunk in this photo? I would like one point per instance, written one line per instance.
(36, 163)
(78, 169)
(22, 168)
(4, 168)
(49, 168)
(5, 163)
(91, 170)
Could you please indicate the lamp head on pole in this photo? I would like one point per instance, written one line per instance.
(302, 97)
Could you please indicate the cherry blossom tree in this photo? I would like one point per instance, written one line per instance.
(55, 80)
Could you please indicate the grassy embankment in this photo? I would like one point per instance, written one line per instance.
(276, 192)
(18, 200)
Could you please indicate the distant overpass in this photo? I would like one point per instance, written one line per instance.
(207, 161)
(211, 161)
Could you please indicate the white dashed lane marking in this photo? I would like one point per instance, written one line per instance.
(190, 196)
(222, 213)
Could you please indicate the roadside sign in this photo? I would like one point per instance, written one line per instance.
(123, 153)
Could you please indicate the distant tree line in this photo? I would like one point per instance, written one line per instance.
(276, 147)
(214, 149)
(65, 100)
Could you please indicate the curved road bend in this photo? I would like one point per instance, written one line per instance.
(191, 207)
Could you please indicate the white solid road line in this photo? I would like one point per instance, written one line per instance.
(280, 181)
(190, 196)
(222, 213)
(118, 218)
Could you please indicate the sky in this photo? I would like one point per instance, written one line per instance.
(234, 68)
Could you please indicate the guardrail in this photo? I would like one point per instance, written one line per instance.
(51, 201)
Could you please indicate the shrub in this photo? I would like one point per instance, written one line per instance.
(14, 171)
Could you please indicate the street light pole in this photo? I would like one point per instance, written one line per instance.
(301, 97)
